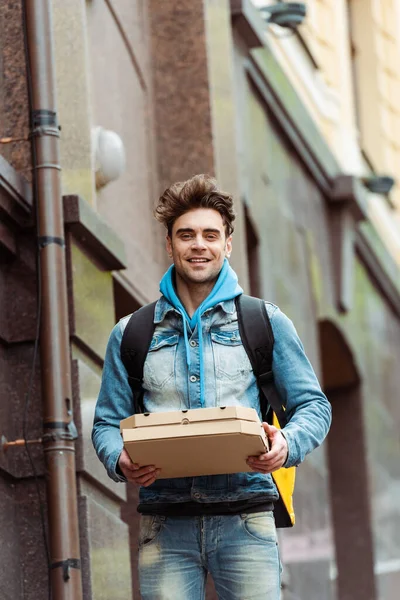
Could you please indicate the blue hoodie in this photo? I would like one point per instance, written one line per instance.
(226, 288)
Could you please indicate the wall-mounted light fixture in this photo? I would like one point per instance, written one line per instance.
(109, 156)
(379, 184)
(285, 14)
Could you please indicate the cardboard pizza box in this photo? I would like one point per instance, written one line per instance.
(187, 443)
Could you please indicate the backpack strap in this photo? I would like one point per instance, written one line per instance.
(258, 340)
(135, 344)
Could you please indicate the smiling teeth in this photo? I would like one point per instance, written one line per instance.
(198, 260)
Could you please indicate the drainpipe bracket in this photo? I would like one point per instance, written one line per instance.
(61, 431)
(42, 117)
(44, 122)
(45, 240)
(66, 565)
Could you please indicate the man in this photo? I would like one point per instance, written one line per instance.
(222, 524)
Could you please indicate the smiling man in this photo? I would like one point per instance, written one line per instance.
(218, 524)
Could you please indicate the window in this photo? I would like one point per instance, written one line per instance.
(253, 261)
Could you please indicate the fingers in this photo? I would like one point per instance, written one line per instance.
(143, 475)
(150, 480)
(272, 455)
(266, 466)
(266, 463)
(147, 478)
(274, 459)
(134, 473)
(270, 430)
(125, 462)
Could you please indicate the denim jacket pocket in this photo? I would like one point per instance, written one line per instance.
(231, 360)
(159, 365)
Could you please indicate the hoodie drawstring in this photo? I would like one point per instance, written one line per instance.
(187, 349)
(202, 382)
(186, 338)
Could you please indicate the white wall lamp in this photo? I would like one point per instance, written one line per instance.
(109, 156)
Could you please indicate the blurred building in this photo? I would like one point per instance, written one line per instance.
(302, 127)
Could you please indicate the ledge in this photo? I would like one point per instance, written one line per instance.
(16, 213)
(348, 189)
(88, 227)
(15, 196)
(8, 244)
(294, 116)
(246, 19)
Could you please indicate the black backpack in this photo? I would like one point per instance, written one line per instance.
(258, 340)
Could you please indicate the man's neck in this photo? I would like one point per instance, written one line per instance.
(192, 295)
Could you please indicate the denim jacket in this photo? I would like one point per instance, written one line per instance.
(229, 381)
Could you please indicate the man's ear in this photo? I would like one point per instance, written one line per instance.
(168, 245)
(228, 247)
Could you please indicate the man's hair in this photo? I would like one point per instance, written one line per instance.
(201, 191)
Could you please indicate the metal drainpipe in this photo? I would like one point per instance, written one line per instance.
(59, 429)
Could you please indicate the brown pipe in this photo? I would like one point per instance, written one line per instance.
(59, 431)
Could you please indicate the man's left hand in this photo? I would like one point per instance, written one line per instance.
(276, 457)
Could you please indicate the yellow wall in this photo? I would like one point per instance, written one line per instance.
(357, 111)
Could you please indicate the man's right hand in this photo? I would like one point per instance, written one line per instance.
(140, 475)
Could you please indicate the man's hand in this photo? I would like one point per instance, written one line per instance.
(140, 475)
(277, 455)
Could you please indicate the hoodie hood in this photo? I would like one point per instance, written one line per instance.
(226, 288)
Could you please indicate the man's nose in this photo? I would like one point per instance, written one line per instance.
(199, 242)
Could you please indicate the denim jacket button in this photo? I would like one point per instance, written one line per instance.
(193, 343)
(196, 495)
(193, 378)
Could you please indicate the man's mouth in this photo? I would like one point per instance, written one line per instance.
(198, 260)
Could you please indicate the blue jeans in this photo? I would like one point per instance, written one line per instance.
(240, 552)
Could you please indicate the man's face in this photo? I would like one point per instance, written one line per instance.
(198, 245)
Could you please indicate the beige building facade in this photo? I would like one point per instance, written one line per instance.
(346, 68)
(295, 125)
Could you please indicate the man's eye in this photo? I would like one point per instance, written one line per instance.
(211, 237)
(186, 236)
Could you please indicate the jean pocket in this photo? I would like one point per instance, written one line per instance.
(260, 526)
(149, 529)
